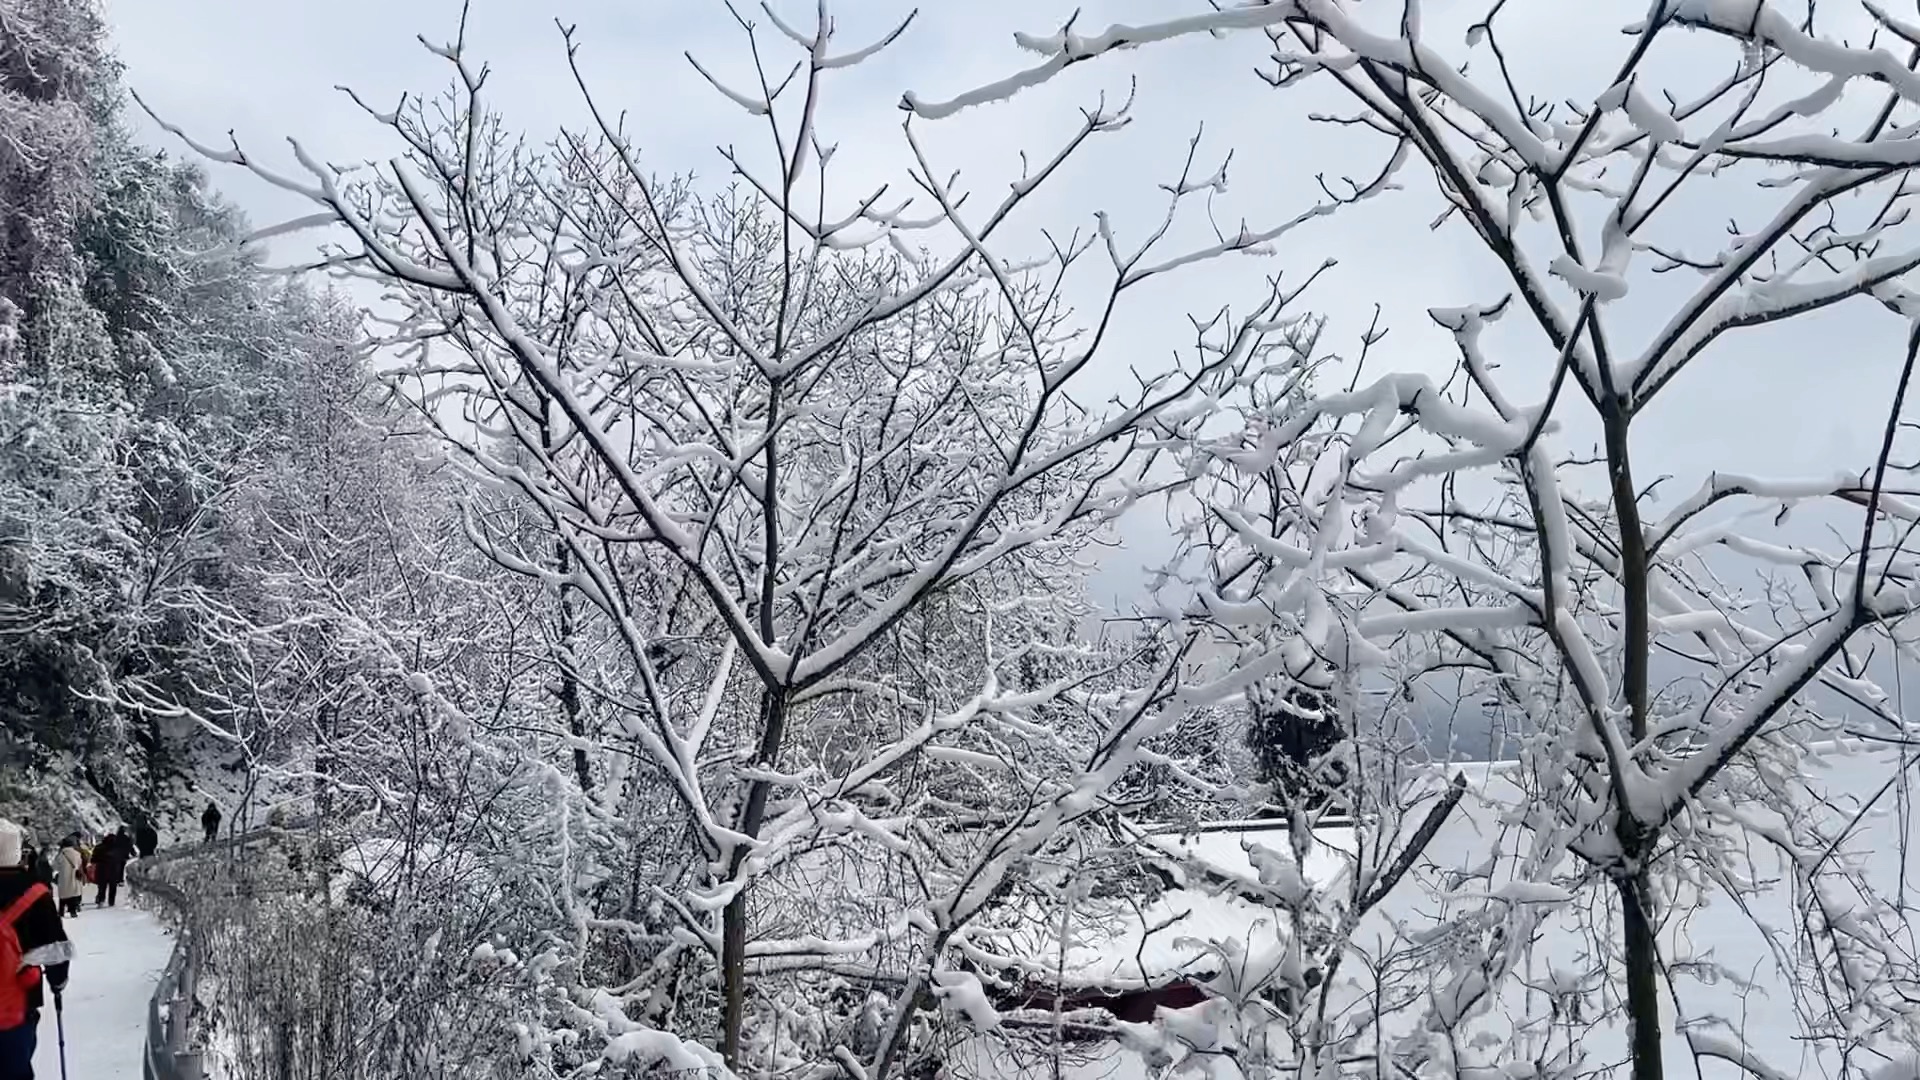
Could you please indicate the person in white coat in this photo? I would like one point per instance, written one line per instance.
(69, 876)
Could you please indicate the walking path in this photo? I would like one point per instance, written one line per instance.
(119, 954)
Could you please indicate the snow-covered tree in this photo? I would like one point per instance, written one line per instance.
(139, 386)
(1671, 666)
(782, 444)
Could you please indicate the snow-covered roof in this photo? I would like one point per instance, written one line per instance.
(1119, 944)
(1236, 850)
(1177, 935)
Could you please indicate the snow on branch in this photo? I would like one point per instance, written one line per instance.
(800, 508)
(1649, 657)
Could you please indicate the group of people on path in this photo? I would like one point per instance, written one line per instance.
(104, 865)
(77, 863)
(37, 895)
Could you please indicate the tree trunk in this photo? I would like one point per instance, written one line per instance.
(733, 921)
(1636, 840)
(324, 856)
(1643, 978)
(733, 976)
(773, 732)
(569, 693)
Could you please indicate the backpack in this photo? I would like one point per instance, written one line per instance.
(15, 987)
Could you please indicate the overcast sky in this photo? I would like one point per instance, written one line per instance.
(1803, 400)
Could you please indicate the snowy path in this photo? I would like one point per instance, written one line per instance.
(119, 953)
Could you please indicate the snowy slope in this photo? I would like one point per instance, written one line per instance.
(54, 800)
(119, 955)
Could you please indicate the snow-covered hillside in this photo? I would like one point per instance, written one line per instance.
(55, 800)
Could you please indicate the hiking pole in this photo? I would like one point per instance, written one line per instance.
(60, 1029)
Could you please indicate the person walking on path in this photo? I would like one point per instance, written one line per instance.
(34, 940)
(146, 840)
(32, 859)
(70, 876)
(210, 821)
(110, 867)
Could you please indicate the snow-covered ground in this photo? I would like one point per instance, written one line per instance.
(120, 953)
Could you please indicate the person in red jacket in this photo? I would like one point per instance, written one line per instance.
(43, 946)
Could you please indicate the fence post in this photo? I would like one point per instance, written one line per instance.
(180, 1001)
(189, 969)
(177, 1026)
